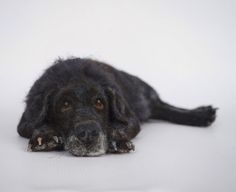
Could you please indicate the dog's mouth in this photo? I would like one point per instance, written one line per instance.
(78, 148)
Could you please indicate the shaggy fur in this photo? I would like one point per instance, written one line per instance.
(90, 108)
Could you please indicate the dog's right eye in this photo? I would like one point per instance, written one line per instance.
(66, 106)
(99, 105)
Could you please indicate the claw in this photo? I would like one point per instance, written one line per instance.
(55, 138)
(60, 140)
(29, 148)
(130, 146)
(39, 141)
(114, 145)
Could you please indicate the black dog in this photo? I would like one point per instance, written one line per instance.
(90, 108)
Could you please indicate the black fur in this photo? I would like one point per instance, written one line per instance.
(90, 108)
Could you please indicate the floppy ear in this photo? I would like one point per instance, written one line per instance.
(124, 125)
(35, 114)
(43, 112)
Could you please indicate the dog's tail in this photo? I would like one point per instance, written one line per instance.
(201, 116)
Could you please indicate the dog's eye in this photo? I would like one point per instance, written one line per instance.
(66, 107)
(99, 105)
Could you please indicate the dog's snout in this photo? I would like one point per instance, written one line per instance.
(87, 132)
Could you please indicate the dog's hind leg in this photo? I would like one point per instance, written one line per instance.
(202, 116)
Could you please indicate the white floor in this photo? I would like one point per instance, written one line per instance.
(185, 49)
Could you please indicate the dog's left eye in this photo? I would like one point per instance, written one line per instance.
(66, 106)
(99, 105)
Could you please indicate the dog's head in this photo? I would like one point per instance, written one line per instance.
(82, 113)
(85, 114)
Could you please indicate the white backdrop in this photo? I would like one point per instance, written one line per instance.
(183, 48)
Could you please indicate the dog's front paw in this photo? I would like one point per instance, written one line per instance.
(205, 115)
(45, 141)
(121, 147)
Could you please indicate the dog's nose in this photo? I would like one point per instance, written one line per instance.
(87, 132)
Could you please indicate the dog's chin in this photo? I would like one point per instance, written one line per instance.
(77, 148)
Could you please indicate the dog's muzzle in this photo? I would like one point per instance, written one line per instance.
(87, 139)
